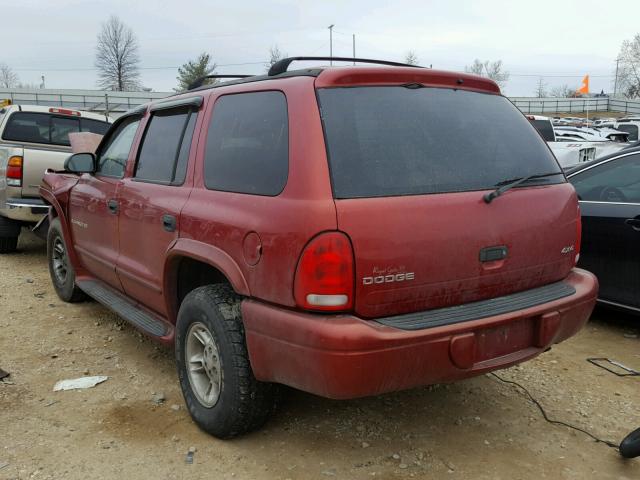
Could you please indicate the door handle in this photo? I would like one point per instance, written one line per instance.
(169, 223)
(113, 206)
(634, 223)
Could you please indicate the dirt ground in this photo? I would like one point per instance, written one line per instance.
(476, 429)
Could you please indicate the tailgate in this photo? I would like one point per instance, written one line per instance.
(424, 252)
(35, 161)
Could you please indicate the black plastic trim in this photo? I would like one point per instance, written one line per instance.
(200, 81)
(481, 309)
(124, 307)
(195, 102)
(281, 66)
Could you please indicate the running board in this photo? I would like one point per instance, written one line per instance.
(124, 307)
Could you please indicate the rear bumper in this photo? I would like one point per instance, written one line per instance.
(29, 210)
(342, 356)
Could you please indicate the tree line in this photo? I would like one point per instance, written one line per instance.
(117, 62)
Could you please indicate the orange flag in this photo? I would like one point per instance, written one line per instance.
(584, 88)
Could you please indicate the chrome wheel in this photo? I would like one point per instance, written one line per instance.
(59, 260)
(204, 368)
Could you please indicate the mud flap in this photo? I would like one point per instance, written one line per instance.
(42, 227)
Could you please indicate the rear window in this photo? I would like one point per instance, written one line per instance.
(545, 128)
(33, 127)
(631, 129)
(390, 141)
(27, 127)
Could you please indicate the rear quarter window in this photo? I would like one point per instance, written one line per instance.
(247, 147)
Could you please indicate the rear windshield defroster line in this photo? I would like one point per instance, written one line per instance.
(394, 141)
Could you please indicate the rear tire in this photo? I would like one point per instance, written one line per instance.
(221, 393)
(9, 233)
(8, 244)
(62, 274)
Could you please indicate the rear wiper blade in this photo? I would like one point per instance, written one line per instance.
(514, 182)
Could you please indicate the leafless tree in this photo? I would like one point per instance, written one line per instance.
(275, 54)
(493, 70)
(411, 58)
(8, 78)
(117, 57)
(541, 89)
(562, 91)
(628, 74)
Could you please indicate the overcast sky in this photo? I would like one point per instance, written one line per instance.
(558, 40)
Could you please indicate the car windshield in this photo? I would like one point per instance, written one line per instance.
(394, 140)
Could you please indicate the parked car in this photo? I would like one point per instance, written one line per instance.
(569, 145)
(326, 229)
(609, 195)
(32, 139)
(629, 126)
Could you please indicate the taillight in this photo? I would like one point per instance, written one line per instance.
(578, 235)
(324, 277)
(14, 171)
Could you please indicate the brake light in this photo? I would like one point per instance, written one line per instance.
(64, 111)
(324, 276)
(578, 235)
(14, 171)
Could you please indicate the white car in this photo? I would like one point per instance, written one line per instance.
(569, 147)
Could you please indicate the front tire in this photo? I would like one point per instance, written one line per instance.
(62, 274)
(221, 393)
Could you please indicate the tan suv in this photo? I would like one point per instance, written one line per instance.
(32, 139)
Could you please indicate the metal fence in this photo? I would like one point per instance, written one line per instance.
(113, 103)
(575, 105)
(116, 103)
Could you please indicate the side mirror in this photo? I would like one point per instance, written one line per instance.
(81, 163)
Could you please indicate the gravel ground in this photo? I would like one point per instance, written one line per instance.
(122, 429)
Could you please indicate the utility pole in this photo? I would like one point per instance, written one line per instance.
(615, 83)
(354, 48)
(331, 44)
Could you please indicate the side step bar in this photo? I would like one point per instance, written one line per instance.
(125, 308)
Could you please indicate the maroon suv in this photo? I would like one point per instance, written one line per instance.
(346, 231)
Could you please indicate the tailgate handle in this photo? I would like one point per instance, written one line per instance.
(491, 254)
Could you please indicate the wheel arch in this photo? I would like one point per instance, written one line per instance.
(190, 264)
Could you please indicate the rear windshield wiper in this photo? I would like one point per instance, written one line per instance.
(514, 182)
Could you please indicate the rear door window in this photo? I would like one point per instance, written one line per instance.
(165, 148)
(393, 140)
(248, 144)
(615, 181)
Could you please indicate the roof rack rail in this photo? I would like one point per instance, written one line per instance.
(281, 65)
(198, 82)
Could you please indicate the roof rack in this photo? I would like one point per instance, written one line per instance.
(198, 82)
(281, 65)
